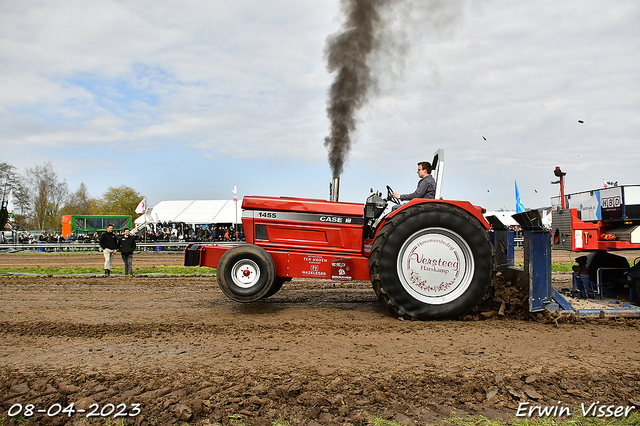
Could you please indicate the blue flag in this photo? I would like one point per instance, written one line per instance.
(519, 206)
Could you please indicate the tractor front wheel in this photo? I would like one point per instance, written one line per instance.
(277, 285)
(432, 261)
(246, 273)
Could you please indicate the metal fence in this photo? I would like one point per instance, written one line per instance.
(89, 247)
(160, 246)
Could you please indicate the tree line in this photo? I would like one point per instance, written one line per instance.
(41, 198)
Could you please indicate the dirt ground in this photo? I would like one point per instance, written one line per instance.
(177, 351)
(8, 260)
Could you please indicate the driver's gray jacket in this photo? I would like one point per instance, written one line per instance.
(426, 189)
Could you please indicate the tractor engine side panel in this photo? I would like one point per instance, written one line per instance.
(305, 225)
(305, 232)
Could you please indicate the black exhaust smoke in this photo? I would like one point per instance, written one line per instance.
(374, 38)
(347, 53)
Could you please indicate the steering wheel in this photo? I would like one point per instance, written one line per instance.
(390, 196)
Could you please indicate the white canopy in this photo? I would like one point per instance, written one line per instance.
(193, 212)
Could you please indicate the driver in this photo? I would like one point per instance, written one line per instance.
(426, 185)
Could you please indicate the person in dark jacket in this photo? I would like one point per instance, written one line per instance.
(127, 246)
(109, 245)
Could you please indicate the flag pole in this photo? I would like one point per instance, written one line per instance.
(235, 206)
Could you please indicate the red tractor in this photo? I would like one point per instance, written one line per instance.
(428, 259)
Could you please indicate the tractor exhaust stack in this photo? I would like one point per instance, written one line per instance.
(334, 189)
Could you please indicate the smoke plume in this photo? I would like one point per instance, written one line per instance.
(374, 40)
(347, 56)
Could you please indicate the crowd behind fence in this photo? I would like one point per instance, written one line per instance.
(518, 239)
(148, 246)
(161, 236)
(183, 232)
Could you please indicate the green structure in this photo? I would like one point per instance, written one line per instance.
(88, 224)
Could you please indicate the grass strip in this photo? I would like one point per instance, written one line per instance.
(556, 267)
(632, 420)
(81, 270)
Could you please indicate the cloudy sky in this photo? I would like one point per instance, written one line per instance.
(184, 100)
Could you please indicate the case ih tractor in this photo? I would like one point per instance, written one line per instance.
(428, 259)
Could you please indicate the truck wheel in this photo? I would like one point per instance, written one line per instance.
(432, 261)
(246, 273)
(604, 259)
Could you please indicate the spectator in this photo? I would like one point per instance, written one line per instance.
(109, 246)
(127, 245)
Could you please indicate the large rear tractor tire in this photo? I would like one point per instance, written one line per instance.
(432, 261)
(246, 273)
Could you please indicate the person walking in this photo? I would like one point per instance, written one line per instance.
(127, 246)
(109, 246)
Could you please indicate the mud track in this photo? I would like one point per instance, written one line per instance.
(317, 352)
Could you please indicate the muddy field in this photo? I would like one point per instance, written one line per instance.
(174, 350)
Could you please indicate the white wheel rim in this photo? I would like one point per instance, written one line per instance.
(435, 266)
(245, 273)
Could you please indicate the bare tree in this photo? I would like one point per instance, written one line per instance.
(49, 195)
(22, 199)
(9, 179)
(12, 182)
(80, 202)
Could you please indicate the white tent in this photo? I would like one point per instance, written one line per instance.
(193, 212)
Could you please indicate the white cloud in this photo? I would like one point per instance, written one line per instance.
(245, 83)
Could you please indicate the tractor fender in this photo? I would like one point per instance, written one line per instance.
(475, 211)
